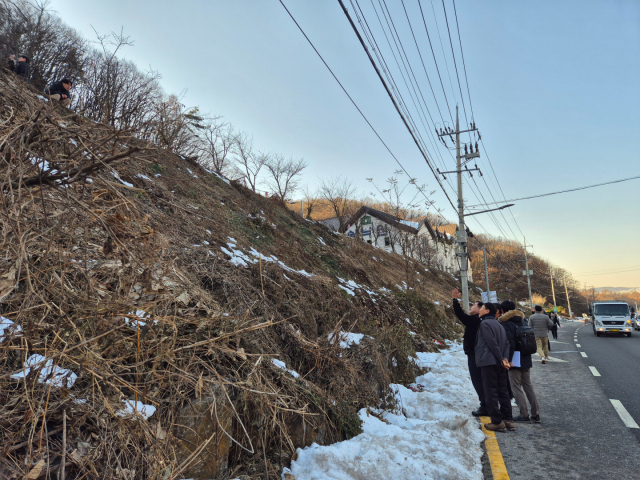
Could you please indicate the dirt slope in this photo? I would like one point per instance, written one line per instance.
(144, 277)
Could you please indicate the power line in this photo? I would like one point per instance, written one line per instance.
(607, 273)
(454, 62)
(355, 29)
(434, 60)
(352, 101)
(462, 54)
(566, 191)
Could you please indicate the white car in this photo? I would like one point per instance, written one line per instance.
(611, 317)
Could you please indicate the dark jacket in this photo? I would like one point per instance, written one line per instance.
(21, 69)
(510, 321)
(491, 344)
(57, 88)
(471, 324)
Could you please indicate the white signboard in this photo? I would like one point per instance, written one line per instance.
(491, 298)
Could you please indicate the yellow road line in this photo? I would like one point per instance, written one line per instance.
(498, 468)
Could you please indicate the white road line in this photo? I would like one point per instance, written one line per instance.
(595, 372)
(578, 345)
(626, 418)
(583, 354)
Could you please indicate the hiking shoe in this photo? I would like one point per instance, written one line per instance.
(480, 412)
(510, 426)
(495, 427)
(536, 419)
(520, 418)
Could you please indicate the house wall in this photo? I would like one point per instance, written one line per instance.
(389, 238)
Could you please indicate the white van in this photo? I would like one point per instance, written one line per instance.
(610, 317)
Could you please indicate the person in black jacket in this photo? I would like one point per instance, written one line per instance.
(492, 350)
(21, 68)
(471, 323)
(60, 91)
(520, 372)
(556, 323)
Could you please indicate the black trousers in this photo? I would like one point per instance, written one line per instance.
(496, 393)
(476, 378)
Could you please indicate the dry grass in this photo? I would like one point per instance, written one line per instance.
(82, 252)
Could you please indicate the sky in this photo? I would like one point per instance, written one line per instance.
(554, 89)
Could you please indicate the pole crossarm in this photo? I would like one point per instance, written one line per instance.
(490, 210)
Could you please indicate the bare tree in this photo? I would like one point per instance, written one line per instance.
(115, 91)
(311, 199)
(55, 50)
(175, 127)
(248, 161)
(283, 175)
(219, 143)
(339, 193)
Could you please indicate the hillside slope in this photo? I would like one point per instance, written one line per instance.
(131, 275)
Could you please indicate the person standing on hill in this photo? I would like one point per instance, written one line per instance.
(492, 352)
(541, 325)
(60, 91)
(21, 68)
(520, 373)
(471, 323)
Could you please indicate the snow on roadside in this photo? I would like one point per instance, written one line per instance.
(434, 437)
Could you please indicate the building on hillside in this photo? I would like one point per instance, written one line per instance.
(332, 223)
(432, 246)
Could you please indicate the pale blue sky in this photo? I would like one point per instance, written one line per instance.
(555, 87)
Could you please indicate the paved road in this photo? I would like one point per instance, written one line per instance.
(617, 359)
(581, 436)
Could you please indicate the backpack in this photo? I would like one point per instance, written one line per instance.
(526, 340)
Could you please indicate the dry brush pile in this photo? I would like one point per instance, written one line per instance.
(123, 330)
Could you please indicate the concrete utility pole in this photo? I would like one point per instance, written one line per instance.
(527, 272)
(486, 270)
(567, 294)
(461, 235)
(553, 292)
(586, 294)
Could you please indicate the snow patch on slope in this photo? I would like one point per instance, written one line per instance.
(435, 437)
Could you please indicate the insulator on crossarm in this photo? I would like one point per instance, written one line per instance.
(476, 147)
(465, 149)
(441, 132)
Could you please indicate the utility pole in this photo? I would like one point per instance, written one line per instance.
(566, 292)
(553, 291)
(528, 272)
(461, 234)
(486, 270)
(586, 294)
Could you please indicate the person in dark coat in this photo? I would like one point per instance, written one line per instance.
(556, 323)
(21, 68)
(60, 91)
(520, 375)
(471, 323)
(492, 356)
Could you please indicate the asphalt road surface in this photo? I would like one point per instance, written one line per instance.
(617, 360)
(582, 435)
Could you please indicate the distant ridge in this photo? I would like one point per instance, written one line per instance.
(619, 289)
